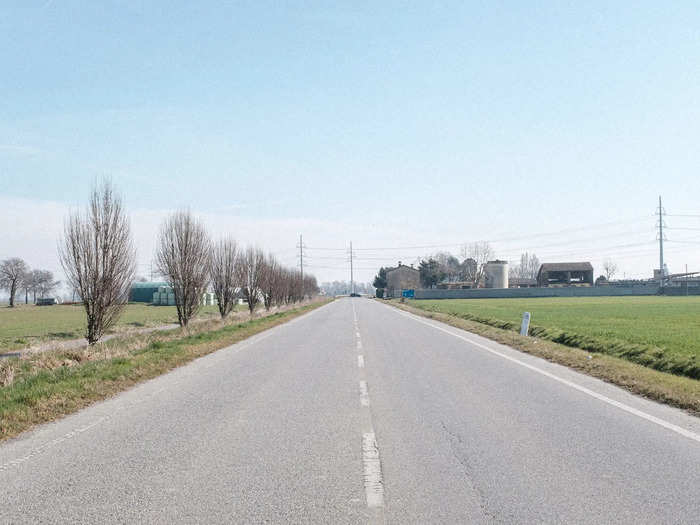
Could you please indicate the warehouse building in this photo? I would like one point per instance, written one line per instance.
(143, 292)
(160, 294)
(565, 274)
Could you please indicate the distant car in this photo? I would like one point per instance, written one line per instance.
(355, 295)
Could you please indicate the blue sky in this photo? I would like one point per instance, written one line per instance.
(405, 124)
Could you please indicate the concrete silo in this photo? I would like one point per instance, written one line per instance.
(496, 274)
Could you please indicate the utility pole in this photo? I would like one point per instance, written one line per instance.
(660, 212)
(352, 282)
(301, 257)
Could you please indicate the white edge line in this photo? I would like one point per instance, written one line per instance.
(631, 410)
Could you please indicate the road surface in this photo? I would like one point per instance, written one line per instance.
(360, 413)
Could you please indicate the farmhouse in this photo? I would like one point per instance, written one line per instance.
(565, 274)
(401, 278)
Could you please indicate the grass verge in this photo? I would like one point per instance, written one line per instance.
(26, 325)
(47, 386)
(682, 392)
(658, 332)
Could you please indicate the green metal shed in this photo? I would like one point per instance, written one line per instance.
(143, 292)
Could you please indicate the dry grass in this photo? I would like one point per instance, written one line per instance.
(42, 387)
(29, 325)
(682, 392)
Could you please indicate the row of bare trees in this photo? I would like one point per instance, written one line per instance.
(98, 256)
(190, 262)
(256, 277)
(16, 276)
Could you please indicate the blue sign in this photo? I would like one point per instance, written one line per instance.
(408, 293)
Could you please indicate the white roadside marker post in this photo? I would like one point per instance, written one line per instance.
(525, 326)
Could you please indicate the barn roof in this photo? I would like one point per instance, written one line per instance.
(567, 267)
(139, 284)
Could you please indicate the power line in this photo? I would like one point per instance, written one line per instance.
(515, 253)
(683, 242)
(592, 239)
(314, 257)
(502, 239)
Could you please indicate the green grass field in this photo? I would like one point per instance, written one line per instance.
(659, 332)
(29, 324)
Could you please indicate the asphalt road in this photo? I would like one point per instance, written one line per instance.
(360, 413)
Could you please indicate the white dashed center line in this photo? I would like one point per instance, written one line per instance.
(371, 464)
(374, 486)
(364, 394)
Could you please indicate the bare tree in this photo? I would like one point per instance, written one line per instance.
(279, 289)
(222, 272)
(291, 277)
(476, 255)
(32, 283)
(310, 286)
(13, 271)
(99, 259)
(250, 275)
(26, 285)
(44, 282)
(183, 258)
(270, 281)
(527, 269)
(293, 286)
(609, 268)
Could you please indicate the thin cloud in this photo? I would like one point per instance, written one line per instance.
(17, 149)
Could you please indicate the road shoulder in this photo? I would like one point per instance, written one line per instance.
(649, 390)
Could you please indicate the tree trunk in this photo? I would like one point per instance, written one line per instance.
(13, 290)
